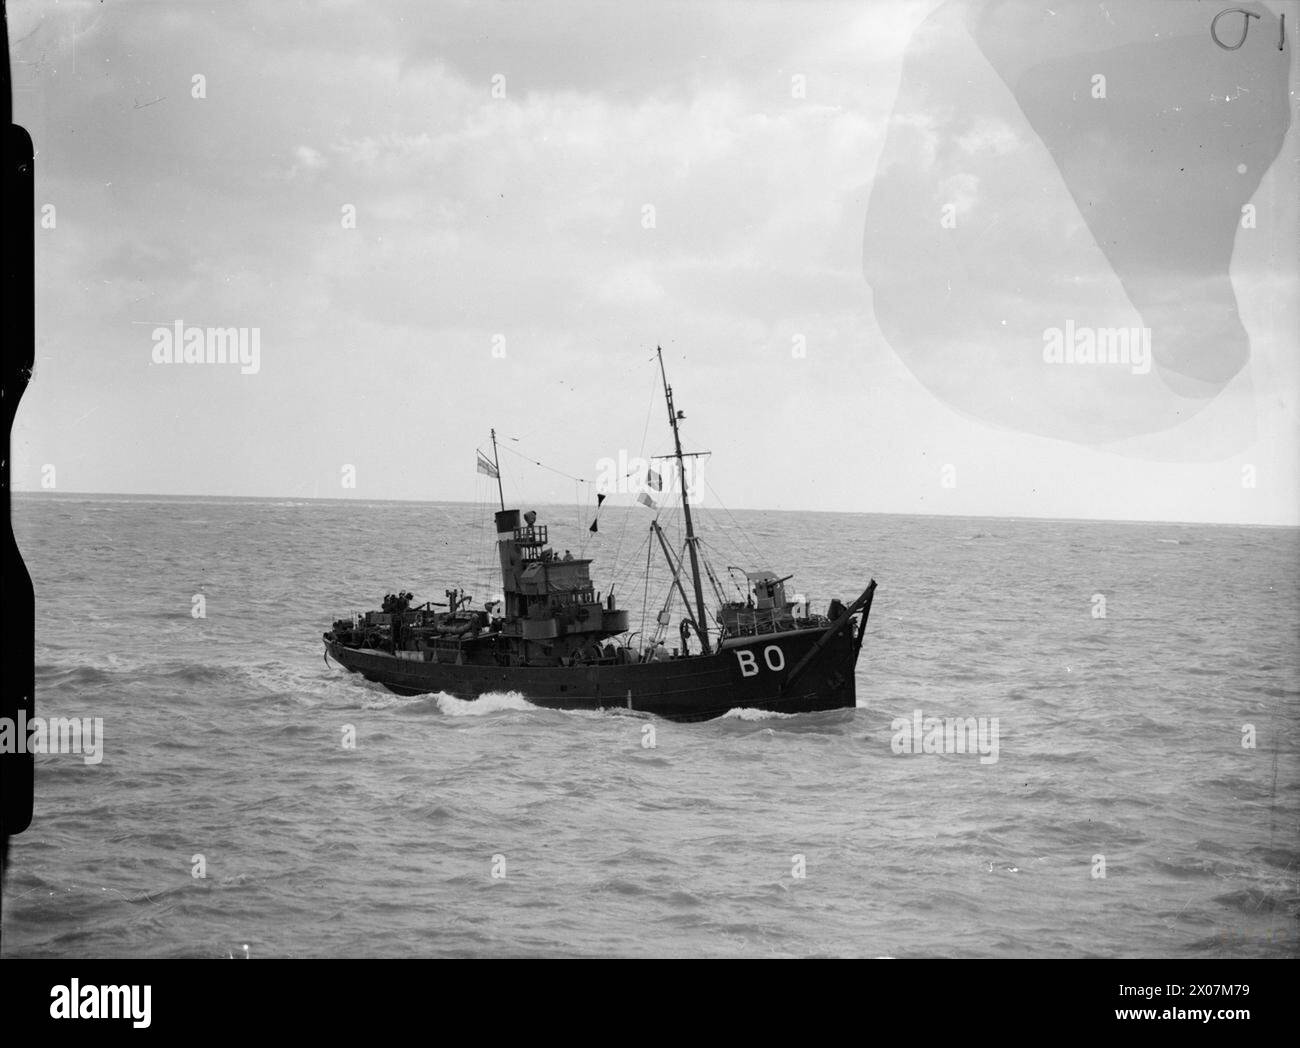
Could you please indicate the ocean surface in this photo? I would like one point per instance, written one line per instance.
(1120, 749)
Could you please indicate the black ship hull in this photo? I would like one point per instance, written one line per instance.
(799, 671)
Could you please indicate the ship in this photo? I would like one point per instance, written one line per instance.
(558, 642)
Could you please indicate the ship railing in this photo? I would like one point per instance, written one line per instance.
(758, 622)
(753, 621)
(604, 660)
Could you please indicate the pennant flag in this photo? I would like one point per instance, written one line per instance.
(600, 501)
(654, 480)
(485, 466)
(646, 500)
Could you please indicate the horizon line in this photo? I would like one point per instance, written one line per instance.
(742, 509)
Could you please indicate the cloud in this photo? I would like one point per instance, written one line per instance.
(478, 216)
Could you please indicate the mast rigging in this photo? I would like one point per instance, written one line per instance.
(673, 415)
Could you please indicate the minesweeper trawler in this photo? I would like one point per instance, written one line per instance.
(555, 641)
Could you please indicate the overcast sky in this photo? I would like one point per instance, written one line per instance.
(545, 191)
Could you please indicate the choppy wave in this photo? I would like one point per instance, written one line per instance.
(488, 702)
(745, 714)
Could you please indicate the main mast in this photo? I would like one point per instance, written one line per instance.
(496, 464)
(701, 622)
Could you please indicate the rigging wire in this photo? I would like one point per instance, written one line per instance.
(713, 578)
(480, 560)
(645, 596)
(717, 583)
(535, 462)
(669, 514)
(645, 431)
(761, 558)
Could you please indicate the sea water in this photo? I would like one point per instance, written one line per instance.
(251, 799)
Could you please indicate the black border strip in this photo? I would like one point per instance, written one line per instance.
(17, 606)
